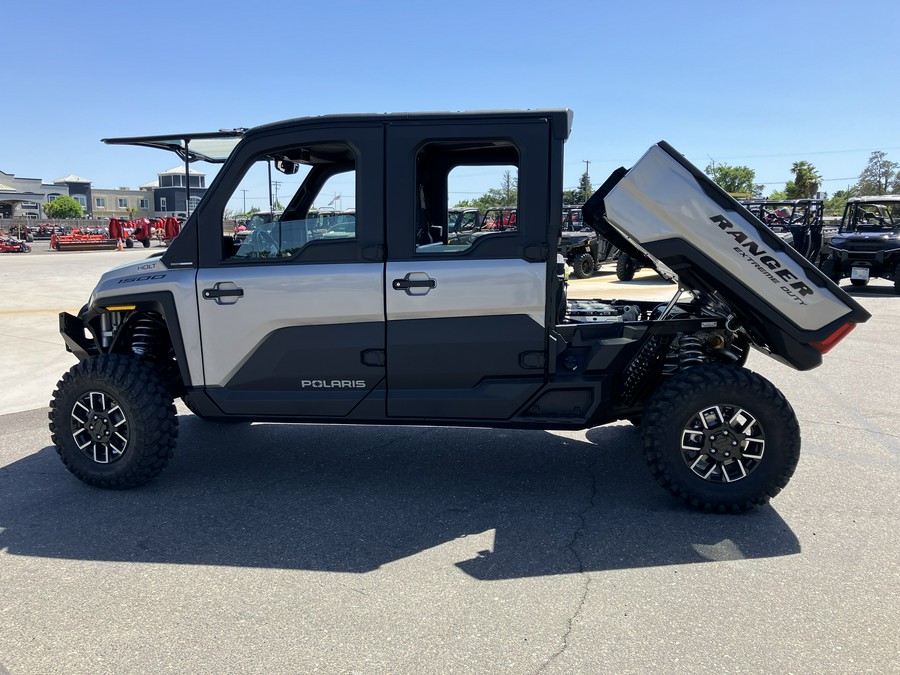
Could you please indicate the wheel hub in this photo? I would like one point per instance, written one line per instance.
(100, 427)
(724, 444)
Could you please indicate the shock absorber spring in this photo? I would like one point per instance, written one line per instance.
(690, 351)
(144, 336)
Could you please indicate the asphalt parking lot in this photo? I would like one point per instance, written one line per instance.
(315, 548)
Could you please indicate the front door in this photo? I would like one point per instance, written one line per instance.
(292, 307)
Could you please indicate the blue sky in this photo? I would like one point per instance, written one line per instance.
(761, 84)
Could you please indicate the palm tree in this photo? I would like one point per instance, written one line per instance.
(806, 179)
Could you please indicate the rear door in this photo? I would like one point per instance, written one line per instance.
(466, 317)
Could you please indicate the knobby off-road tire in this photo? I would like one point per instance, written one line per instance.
(583, 267)
(113, 422)
(625, 267)
(720, 438)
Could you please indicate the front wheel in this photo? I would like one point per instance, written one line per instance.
(720, 438)
(625, 267)
(112, 420)
(583, 266)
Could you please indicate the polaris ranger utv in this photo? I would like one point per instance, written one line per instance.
(397, 324)
(867, 245)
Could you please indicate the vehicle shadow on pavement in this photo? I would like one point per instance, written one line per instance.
(351, 499)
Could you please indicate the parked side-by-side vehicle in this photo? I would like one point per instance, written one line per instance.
(399, 322)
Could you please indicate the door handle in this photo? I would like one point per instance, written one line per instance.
(405, 284)
(216, 293)
(414, 283)
(223, 293)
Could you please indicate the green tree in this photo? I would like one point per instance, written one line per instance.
(734, 179)
(834, 205)
(585, 189)
(64, 206)
(506, 195)
(881, 176)
(806, 181)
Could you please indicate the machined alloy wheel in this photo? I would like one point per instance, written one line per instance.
(720, 438)
(99, 427)
(723, 443)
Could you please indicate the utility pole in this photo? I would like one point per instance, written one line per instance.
(245, 201)
(276, 184)
(587, 166)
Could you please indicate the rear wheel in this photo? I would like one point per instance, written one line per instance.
(145, 242)
(129, 243)
(720, 438)
(112, 420)
(625, 267)
(583, 266)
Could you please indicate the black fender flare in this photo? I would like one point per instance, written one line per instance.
(159, 302)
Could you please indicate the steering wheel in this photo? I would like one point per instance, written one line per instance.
(262, 244)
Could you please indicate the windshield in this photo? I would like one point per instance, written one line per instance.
(871, 216)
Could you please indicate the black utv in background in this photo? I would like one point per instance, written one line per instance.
(867, 244)
(580, 246)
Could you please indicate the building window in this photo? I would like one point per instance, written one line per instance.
(162, 204)
(123, 203)
(144, 204)
(193, 202)
(100, 202)
(81, 199)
